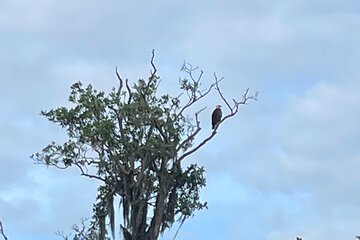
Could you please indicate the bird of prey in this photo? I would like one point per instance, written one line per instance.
(216, 116)
(76, 85)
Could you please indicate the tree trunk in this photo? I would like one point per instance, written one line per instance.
(154, 229)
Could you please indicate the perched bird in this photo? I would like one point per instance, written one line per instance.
(76, 85)
(216, 116)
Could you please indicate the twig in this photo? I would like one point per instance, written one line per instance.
(62, 235)
(81, 232)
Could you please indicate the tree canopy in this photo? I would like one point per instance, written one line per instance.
(134, 140)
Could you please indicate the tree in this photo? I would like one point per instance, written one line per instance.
(134, 142)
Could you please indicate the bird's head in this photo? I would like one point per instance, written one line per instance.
(218, 106)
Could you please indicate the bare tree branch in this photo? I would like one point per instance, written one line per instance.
(129, 90)
(120, 80)
(153, 65)
(198, 146)
(81, 232)
(192, 136)
(193, 97)
(52, 164)
(63, 235)
(189, 69)
(83, 173)
(233, 110)
(220, 93)
(2, 231)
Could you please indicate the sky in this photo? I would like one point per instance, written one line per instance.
(285, 166)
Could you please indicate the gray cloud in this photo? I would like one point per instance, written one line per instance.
(285, 165)
(311, 150)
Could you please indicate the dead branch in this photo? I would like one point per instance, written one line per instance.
(189, 69)
(192, 136)
(195, 95)
(245, 96)
(83, 173)
(153, 66)
(81, 232)
(129, 90)
(120, 80)
(63, 235)
(233, 111)
(2, 231)
(198, 146)
(220, 93)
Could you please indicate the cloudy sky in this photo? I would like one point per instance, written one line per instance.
(286, 166)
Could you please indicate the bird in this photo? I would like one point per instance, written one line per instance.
(76, 85)
(216, 116)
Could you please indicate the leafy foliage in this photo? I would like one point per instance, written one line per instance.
(132, 139)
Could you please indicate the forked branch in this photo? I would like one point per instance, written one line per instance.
(86, 174)
(195, 94)
(233, 111)
(245, 97)
(192, 136)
